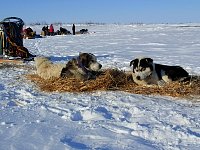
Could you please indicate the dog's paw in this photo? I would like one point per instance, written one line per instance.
(91, 76)
(161, 83)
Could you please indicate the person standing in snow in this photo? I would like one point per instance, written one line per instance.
(73, 29)
(51, 30)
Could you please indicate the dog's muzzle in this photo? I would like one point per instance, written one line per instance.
(143, 78)
(95, 66)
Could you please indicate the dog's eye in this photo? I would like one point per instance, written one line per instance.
(143, 69)
(136, 70)
(92, 61)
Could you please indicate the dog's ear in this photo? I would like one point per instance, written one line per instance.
(149, 60)
(133, 62)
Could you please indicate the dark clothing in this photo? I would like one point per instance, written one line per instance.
(73, 29)
(45, 30)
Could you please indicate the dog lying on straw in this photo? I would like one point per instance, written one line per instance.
(84, 67)
(146, 72)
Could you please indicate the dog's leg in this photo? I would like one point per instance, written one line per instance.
(185, 79)
(161, 83)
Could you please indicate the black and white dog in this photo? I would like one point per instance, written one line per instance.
(84, 67)
(147, 73)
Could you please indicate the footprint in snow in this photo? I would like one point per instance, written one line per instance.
(73, 144)
(104, 112)
(76, 116)
(1, 87)
(8, 124)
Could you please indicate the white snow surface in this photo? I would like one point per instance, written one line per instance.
(112, 120)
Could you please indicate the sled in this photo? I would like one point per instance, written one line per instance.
(11, 40)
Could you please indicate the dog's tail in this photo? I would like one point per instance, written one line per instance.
(191, 79)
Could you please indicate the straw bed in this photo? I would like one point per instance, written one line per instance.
(114, 79)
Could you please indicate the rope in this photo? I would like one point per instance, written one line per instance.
(18, 47)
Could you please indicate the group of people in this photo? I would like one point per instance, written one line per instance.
(50, 30)
(46, 30)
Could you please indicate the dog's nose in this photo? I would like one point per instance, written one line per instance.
(138, 77)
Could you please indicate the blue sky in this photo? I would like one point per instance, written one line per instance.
(102, 11)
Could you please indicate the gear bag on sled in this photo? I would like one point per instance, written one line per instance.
(11, 39)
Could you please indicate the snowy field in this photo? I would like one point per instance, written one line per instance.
(34, 120)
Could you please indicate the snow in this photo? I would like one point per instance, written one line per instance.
(32, 119)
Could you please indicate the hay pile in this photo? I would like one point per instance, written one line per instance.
(113, 79)
(106, 80)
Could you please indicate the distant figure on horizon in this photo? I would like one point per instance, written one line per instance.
(73, 29)
(45, 31)
(51, 30)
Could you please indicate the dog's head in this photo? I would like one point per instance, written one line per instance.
(89, 61)
(142, 67)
